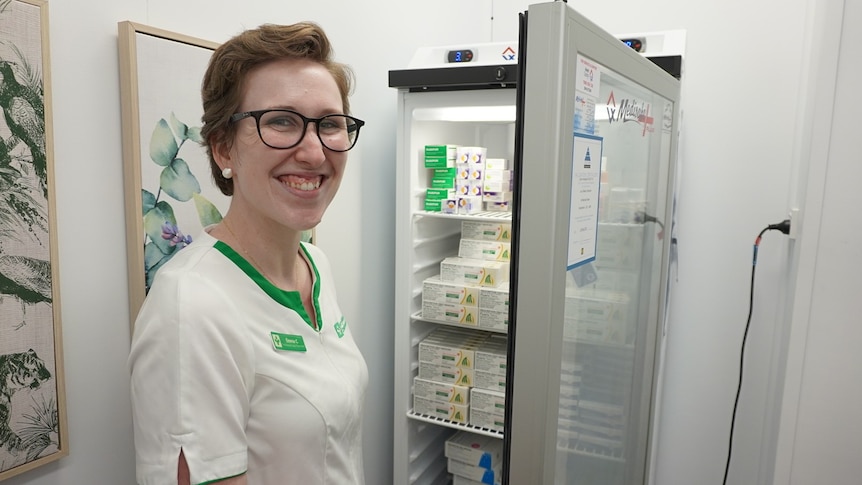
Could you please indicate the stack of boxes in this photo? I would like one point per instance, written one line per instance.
(474, 459)
(462, 372)
(465, 181)
(497, 185)
(462, 377)
(472, 288)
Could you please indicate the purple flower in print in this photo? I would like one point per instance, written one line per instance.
(173, 234)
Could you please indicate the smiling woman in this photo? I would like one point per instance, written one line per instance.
(241, 330)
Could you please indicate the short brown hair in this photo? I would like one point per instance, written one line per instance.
(231, 63)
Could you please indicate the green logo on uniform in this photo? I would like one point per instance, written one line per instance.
(341, 327)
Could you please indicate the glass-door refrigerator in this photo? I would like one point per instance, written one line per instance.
(533, 182)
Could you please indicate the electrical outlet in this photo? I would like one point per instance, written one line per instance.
(794, 223)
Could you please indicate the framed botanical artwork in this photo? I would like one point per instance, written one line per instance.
(170, 196)
(33, 428)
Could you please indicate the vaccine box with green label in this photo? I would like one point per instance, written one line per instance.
(493, 381)
(439, 194)
(447, 374)
(449, 313)
(474, 271)
(494, 298)
(433, 205)
(484, 419)
(488, 400)
(458, 413)
(488, 231)
(449, 349)
(439, 291)
(491, 356)
(443, 183)
(486, 250)
(438, 391)
(441, 151)
(493, 320)
(474, 449)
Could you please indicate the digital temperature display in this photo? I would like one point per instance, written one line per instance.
(635, 44)
(463, 55)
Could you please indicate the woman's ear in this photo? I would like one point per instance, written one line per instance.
(221, 152)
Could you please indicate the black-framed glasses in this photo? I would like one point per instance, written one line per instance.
(285, 128)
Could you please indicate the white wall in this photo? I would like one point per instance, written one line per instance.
(820, 424)
(740, 96)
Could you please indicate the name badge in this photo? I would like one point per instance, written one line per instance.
(288, 343)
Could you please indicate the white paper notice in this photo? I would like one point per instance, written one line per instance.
(584, 210)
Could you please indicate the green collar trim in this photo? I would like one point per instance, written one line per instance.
(289, 299)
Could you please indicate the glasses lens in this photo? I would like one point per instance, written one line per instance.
(281, 129)
(338, 132)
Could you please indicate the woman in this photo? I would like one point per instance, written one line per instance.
(244, 370)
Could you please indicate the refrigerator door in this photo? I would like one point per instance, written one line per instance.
(597, 135)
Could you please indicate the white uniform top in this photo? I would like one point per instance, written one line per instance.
(228, 368)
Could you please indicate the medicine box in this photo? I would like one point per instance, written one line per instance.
(443, 183)
(487, 400)
(600, 307)
(447, 151)
(495, 185)
(439, 162)
(488, 231)
(496, 163)
(459, 480)
(474, 449)
(447, 374)
(449, 206)
(436, 290)
(481, 474)
(449, 349)
(490, 357)
(433, 205)
(444, 173)
(494, 298)
(493, 381)
(450, 313)
(497, 175)
(469, 204)
(482, 249)
(484, 419)
(488, 196)
(439, 194)
(498, 206)
(472, 155)
(493, 319)
(438, 391)
(474, 271)
(453, 412)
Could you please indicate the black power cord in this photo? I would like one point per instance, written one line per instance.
(784, 227)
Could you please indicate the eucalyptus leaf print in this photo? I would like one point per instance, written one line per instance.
(177, 184)
(178, 181)
(163, 146)
(207, 211)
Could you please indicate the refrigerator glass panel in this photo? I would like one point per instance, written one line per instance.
(610, 307)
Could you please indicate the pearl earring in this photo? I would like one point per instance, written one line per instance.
(227, 173)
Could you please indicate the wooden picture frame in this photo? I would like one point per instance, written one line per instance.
(166, 170)
(33, 428)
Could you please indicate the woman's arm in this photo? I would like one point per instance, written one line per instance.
(183, 475)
